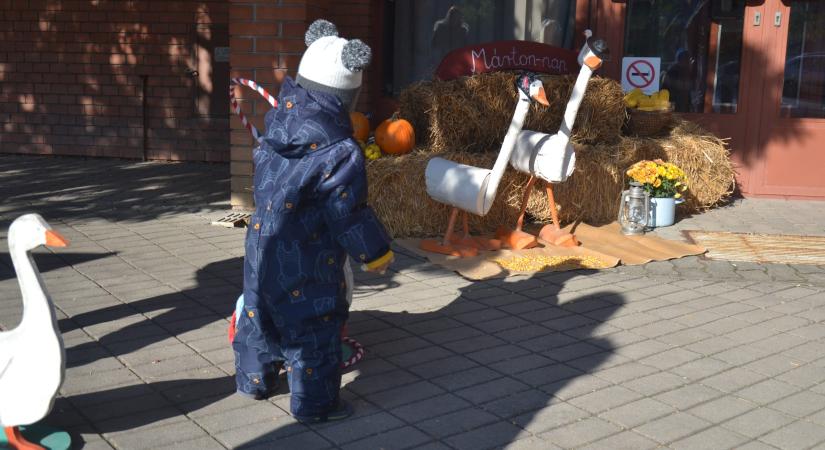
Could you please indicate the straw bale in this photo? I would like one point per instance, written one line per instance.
(472, 114)
(591, 194)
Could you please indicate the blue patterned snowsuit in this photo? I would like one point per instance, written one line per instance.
(310, 194)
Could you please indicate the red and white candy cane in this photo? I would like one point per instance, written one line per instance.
(237, 108)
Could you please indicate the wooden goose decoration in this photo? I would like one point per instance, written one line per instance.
(31, 355)
(551, 157)
(473, 189)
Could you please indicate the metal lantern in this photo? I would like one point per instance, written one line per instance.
(634, 209)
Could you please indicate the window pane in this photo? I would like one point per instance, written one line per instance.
(679, 32)
(803, 91)
(426, 30)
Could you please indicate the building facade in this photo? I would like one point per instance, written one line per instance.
(148, 79)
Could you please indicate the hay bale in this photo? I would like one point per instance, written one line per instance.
(398, 192)
(472, 114)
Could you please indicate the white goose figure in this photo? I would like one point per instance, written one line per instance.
(551, 157)
(473, 189)
(31, 355)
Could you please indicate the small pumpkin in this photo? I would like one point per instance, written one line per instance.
(360, 126)
(395, 136)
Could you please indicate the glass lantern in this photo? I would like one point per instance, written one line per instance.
(634, 209)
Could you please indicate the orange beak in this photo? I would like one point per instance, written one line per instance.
(541, 98)
(55, 239)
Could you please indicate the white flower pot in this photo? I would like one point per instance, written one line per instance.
(663, 211)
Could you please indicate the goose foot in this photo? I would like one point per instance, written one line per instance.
(516, 239)
(553, 235)
(469, 241)
(18, 442)
(447, 246)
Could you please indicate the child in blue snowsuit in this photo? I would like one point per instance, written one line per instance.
(310, 190)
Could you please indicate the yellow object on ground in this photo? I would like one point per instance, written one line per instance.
(538, 263)
(372, 152)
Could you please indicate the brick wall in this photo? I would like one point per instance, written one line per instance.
(267, 41)
(73, 74)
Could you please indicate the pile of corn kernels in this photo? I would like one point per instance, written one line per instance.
(538, 263)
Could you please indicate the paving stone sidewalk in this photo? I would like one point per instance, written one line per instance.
(690, 353)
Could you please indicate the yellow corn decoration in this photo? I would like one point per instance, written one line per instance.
(539, 263)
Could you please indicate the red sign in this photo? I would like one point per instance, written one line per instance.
(640, 74)
(507, 55)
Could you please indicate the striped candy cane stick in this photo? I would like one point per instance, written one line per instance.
(237, 108)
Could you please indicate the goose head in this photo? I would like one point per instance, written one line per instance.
(31, 231)
(531, 89)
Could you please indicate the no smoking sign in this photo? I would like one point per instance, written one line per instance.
(642, 73)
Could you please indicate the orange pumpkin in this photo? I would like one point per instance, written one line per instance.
(360, 126)
(395, 136)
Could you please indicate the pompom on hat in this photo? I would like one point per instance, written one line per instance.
(333, 64)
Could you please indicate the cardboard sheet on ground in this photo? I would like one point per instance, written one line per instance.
(604, 246)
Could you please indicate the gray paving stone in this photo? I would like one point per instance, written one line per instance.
(235, 418)
(388, 380)
(556, 414)
(716, 438)
(429, 408)
(491, 390)
(465, 378)
(655, 383)
(758, 422)
(407, 437)
(621, 373)
(521, 364)
(603, 399)
(410, 393)
(626, 440)
(445, 366)
(796, 435)
(307, 440)
(359, 428)
(801, 404)
(518, 403)
(687, 396)
(637, 413)
(497, 354)
(733, 380)
(491, 436)
(457, 422)
(721, 409)
(768, 391)
(579, 433)
(530, 443)
(670, 428)
(574, 387)
(173, 433)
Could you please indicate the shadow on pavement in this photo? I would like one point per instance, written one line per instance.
(473, 373)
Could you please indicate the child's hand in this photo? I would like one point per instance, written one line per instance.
(382, 268)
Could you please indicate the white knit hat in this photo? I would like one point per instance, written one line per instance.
(332, 64)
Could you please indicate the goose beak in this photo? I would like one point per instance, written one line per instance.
(55, 239)
(540, 97)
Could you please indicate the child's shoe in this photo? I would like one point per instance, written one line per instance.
(343, 411)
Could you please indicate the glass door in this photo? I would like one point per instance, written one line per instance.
(788, 130)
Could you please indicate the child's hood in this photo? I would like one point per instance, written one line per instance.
(305, 122)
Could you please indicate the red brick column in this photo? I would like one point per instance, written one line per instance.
(267, 41)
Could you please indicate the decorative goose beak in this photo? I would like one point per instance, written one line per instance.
(540, 97)
(55, 239)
